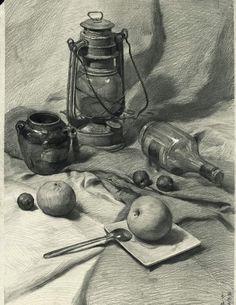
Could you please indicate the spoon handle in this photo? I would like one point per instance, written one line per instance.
(95, 242)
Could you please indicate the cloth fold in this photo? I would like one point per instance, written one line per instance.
(101, 196)
(105, 191)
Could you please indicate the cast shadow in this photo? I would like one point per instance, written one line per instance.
(180, 257)
(160, 88)
(75, 214)
(173, 238)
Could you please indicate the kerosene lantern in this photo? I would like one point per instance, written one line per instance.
(95, 97)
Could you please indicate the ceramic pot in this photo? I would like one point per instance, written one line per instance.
(44, 141)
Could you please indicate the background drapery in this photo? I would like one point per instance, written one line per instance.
(184, 51)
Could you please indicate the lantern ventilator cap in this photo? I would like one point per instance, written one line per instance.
(96, 22)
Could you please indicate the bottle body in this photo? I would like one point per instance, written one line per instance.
(176, 151)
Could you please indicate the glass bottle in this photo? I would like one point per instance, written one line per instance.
(170, 148)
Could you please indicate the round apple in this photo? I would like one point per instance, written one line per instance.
(56, 198)
(149, 219)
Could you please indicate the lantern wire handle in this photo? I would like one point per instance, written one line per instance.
(140, 78)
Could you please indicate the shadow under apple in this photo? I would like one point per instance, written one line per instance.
(174, 237)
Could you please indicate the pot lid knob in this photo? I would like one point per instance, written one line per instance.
(98, 18)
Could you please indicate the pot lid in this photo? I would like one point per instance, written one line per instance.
(96, 22)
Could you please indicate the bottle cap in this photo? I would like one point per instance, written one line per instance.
(212, 173)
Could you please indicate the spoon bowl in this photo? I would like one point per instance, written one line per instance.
(121, 234)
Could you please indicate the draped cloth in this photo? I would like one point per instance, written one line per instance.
(184, 52)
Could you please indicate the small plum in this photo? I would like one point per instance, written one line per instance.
(141, 179)
(165, 183)
(25, 201)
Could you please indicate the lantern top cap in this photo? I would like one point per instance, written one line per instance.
(96, 22)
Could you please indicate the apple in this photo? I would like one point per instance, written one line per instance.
(56, 198)
(149, 219)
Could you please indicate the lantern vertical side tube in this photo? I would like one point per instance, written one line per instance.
(120, 59)
(71, 115)
(69, 88)
(73, 82)
(74, 86)
(72, 76)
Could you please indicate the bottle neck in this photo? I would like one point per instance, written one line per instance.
(181, 160)
(195, 163)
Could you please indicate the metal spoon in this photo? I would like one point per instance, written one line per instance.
(117, 234)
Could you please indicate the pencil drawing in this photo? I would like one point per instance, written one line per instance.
(119, 152)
